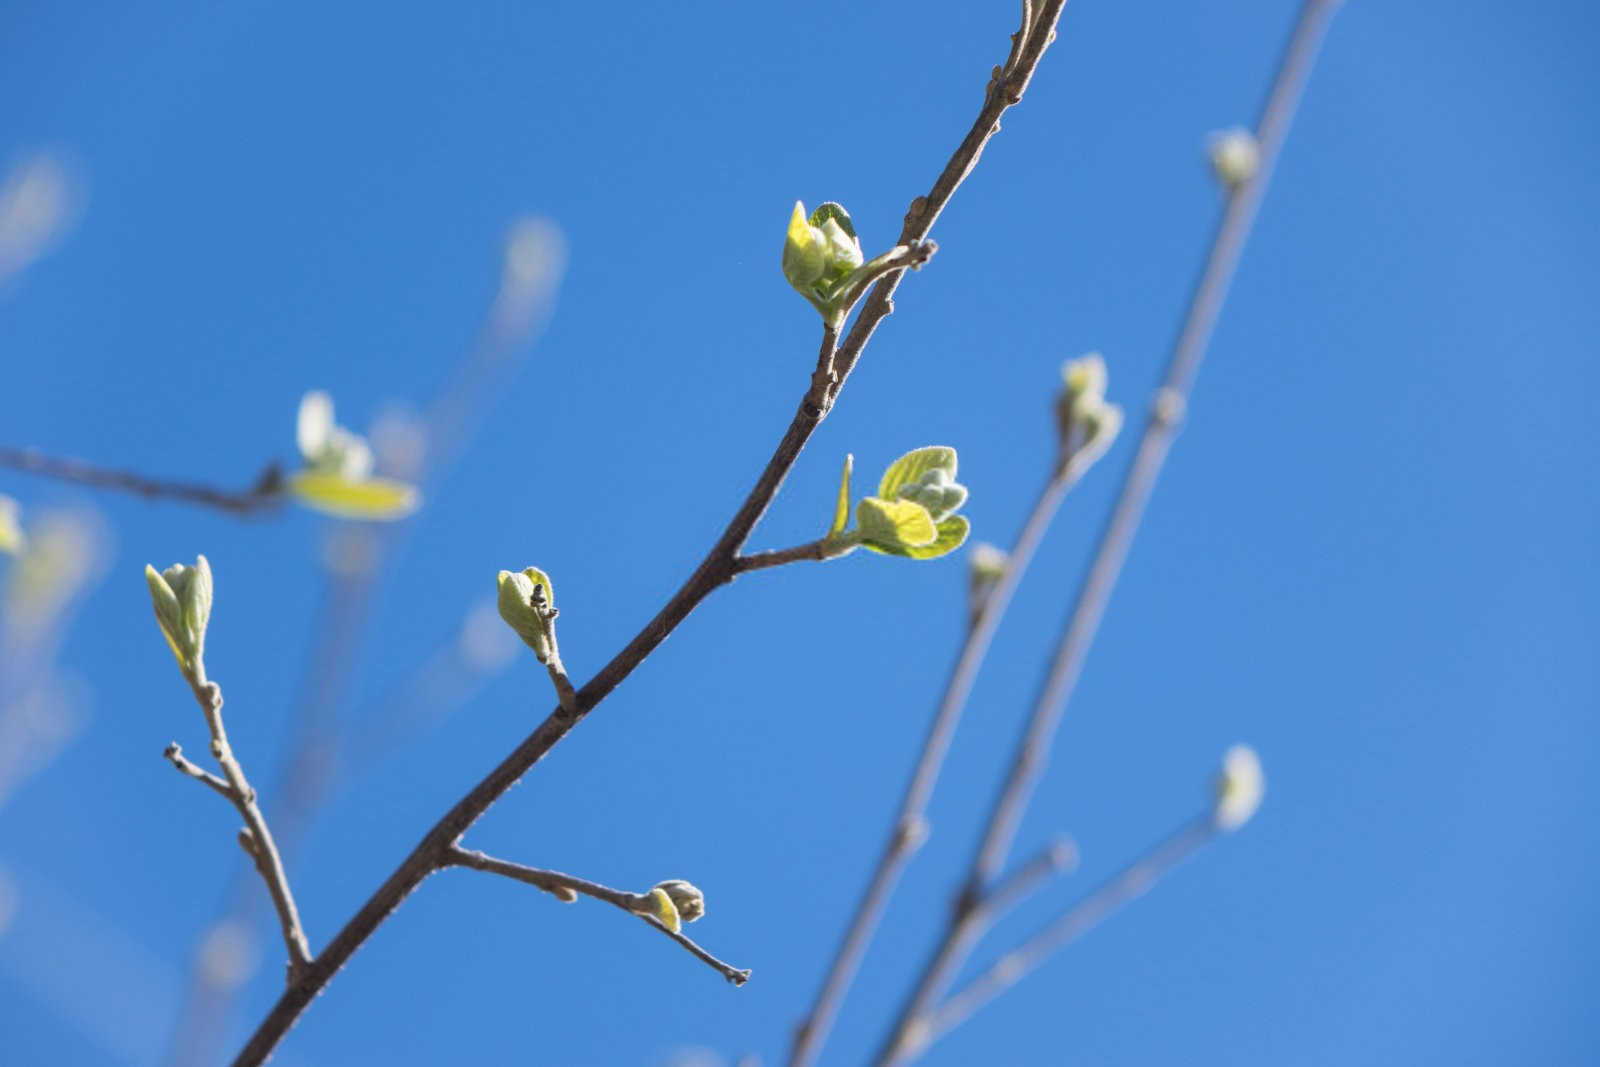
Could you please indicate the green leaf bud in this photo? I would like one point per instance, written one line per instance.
(182, 597)
(526, 601)
(689, 902)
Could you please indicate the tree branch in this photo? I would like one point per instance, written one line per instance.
(834, 367)
(910, 827)
(568, 888)
(755, 561)
(265, 495)
(255, 837)
(1165, 416)
(1129, 884)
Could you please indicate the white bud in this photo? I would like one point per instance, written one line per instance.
(1235, 156)
(1240, 787)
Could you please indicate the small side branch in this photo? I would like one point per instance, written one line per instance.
(568, 889)
(1126, 886)
(264, 495)
(254, 836)
(756, 561)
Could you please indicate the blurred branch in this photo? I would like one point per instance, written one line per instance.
(532, 263)
(264, 495)
(1244, 199)
(1126, 886)
(834, 364)
(255, 837)
(567, 888)
(910, 828)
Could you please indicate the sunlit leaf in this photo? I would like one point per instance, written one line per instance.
(913, 465)
(952, 534)
(841, 510)
(890, 525)
(665, 910)
(372, 498)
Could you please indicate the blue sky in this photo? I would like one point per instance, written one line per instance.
(1371, 555)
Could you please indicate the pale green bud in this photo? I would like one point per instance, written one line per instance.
(1085, 422)
(1240, 787)
(1235, 156)
(805, 252)
(988, 563)
(181, 597)
(689, 901)
(12, 539)
(527, 603)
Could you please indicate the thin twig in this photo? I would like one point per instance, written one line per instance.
(756, 561)
(174, 754)
(910, 827)
(635, 904)
(511, 323)
(715, 570)
(1129, 884)
(1165, 416)
(264, 495)
(255, 837)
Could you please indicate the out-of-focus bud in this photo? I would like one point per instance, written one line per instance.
(182, 600)
(988, 562)
(527, 603)
(40, 197)
(228, 955)
(689, 901)
(12, 539)
(1240, 786)
(1085, 423)
(1235, 156)
(338, 476)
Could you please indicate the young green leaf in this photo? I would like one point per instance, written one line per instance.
(837, 213)
(893, 525)
(374, 498)
(841, 510)
(952, 534)
(665, 911)
(913, 465)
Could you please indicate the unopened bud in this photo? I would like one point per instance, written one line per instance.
(689, 901)
(526, 603)
(182, 600)
(1239, 789)
(1235, 156)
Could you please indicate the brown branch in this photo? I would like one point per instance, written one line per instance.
(1128, 885)
(255, 837)
(561, 885)
(266, 494)
(1165, 416)
(755, 561)
(834, 365)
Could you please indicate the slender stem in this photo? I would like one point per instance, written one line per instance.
(174, 754)
(636, 904)
(910, 825)
(834, 364)
(265, 494)
(1129, 884)
(510, 326)
(1165, 416)
(756, 561)
(1058, 856)
(256, 838)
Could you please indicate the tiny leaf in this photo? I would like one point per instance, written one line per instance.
(837, 213)
(913, 465)
(952, 534)
(374, 498)
(665, 910)
(891, 525)
(841, 510)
